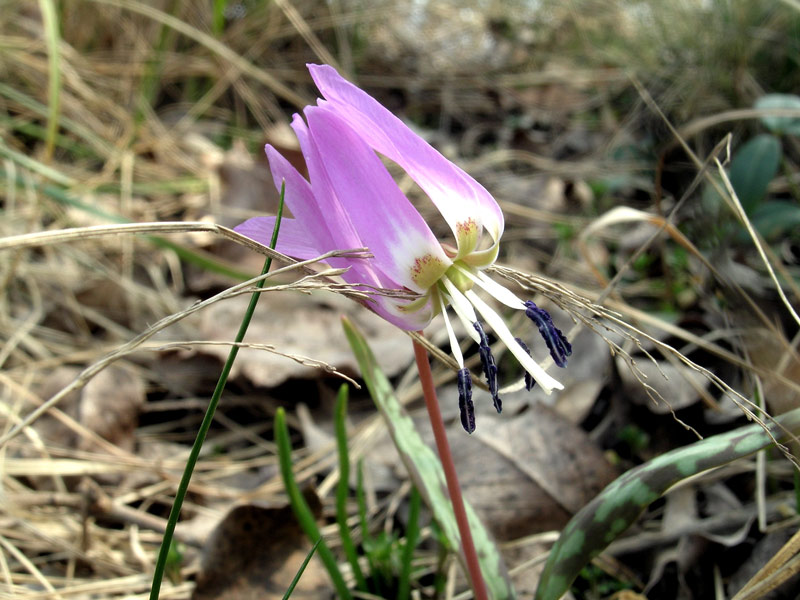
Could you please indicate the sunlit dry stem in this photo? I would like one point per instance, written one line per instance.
(446, 457)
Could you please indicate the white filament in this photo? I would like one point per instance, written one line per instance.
(451, 334)
(496, 322)
(462, 308)
(494, 289)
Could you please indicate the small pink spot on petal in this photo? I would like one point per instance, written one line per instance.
(427, 269)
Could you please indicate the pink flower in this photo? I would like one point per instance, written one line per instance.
(352, 201)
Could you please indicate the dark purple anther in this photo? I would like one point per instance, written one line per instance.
(558, 345)
(489, 366)
(465, 401)
(529, 381)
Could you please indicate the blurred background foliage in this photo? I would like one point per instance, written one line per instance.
(126, 110)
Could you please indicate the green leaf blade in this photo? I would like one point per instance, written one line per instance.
(753, 167)
(779, 125)
(425, 469)
(601, 521)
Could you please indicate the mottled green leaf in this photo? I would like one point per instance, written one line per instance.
(753, 167)
(775, 219)
(790, 125)
(597, 524)
(425, 469)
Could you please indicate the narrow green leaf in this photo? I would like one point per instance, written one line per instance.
(342, 489)
(366, 538)
(301, 570)
(412, 533)
(300, 507)
(601, 521)
(205, 425)
(753, 167)
(52, 39)
(425, 469)
(218, 17)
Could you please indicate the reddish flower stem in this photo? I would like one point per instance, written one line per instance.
(453, 487)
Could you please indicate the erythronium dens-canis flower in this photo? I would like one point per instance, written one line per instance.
(350, 200)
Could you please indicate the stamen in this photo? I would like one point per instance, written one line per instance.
(489, 365)
(454, 347)
(462, 307)
(493, 288)
(529, 382)
(465, 405)
(556, 342)
(494, 320)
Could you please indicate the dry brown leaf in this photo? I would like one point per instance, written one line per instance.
(255, 552)
(588, 371)
(110, 405)
(308, 326)
(48, 427)
(529, 473)
(767, 351)
(676, 384)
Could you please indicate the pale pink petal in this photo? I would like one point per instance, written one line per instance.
(330, 218)
(463, 202)
(323, 210)
(299, 198)
(404, 247)
(293, 239)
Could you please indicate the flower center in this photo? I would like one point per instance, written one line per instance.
(426, 270)
(457, 277)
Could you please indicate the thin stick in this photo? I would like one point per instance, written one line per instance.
(453, 487)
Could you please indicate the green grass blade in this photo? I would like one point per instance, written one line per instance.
(52, 39)
(300, 571)
(198, 258)
(101, 146)
(596, 525)
(299, 506)
(412, 534)
(366, 538)
(342, 489)
(425, 469)
(152, 72)
(183, 486)
(218, 18)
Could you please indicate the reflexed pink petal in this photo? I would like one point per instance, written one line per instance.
(463, 202)
(404, 247)
(326, 206)
(327, 226)
(293, 239)
(300, 199)
(328, 216)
